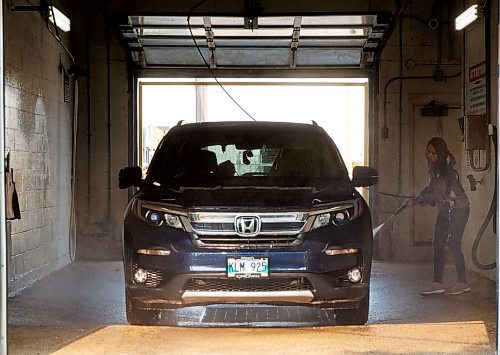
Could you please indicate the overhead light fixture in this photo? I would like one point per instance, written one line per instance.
(467, 17)
(61, 21)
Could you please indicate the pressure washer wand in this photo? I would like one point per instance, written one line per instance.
(379, 228)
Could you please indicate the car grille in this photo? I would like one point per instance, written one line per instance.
(229, 227)
(219, 229)
(247, 285)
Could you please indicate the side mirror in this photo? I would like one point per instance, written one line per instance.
(130, 176)
(364, 176)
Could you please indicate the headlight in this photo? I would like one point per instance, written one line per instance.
(339, 214)
(321, 220)
(157, 215)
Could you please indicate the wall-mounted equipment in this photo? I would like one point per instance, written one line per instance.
(434, 109)
(473, 182)
(477, 142)
(476, 132)
(467, 17)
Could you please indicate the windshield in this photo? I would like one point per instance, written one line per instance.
(246, 158)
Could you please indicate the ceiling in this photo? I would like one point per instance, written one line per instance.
(271, 42)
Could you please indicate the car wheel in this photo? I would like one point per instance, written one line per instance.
(354, 316)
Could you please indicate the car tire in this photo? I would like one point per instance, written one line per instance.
(354, 316)
(133, 313)
(138, 316)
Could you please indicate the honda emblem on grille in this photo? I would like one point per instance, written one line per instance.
(247, 226)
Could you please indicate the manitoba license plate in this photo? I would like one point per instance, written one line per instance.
(247, 267)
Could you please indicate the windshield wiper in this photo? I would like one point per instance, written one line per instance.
(219, 187)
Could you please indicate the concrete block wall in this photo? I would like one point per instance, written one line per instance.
(102, 137)
(39, 139)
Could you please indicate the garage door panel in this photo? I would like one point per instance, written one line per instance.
(172, 42)
(249, 57)
(175, 56)
(327, 57)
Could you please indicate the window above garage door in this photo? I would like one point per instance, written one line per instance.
(297, 42)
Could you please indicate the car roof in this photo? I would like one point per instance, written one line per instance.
(207, 127)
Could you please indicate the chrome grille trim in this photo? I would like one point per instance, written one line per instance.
(222, 224)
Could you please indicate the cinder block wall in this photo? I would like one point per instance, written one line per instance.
(103, 118)
(38, 136)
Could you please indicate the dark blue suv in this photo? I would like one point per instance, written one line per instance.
(247, 213)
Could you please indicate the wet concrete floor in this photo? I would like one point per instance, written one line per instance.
(80, 310)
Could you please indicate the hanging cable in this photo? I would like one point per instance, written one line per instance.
(208, 65)
(491, 213)
(394, 195)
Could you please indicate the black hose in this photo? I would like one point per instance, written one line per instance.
(491, 212)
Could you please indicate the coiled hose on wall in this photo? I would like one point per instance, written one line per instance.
(491, 212)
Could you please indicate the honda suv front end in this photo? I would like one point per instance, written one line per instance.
(246, 213)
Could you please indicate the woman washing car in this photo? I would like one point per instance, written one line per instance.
(447, 194)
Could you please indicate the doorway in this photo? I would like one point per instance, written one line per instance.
(424, 128)
(340, 106)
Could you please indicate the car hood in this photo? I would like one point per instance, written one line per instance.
(249, 198)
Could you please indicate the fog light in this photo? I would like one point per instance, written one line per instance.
(354, 275)
(140, 276)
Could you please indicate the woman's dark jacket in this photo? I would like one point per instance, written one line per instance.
(444, 191)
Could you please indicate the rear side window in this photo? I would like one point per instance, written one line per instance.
(238, 158)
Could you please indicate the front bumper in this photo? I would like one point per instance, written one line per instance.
(312, 280)
(298, 275)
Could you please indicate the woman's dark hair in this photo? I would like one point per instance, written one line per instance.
(445, 160)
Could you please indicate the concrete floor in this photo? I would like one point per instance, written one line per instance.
(80, 310)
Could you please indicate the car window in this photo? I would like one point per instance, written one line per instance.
(240, 159)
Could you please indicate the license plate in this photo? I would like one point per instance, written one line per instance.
(247, 267)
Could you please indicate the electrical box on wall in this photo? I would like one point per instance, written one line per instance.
(476, 132)
(434, 109)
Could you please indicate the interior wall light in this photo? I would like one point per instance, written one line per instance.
(467, 17)
(61, 21)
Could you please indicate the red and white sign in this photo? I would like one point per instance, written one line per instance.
(477, 72)
(476, 89)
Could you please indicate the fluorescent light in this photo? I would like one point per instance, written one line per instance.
(61, 21)
(467, 17)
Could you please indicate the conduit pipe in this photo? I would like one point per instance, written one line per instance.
(422, 77)
(108, 79)
(3, 229)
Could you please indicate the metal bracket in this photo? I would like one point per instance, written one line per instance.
(295, 41)
(207, 23)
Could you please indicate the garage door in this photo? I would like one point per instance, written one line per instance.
(297, 42)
